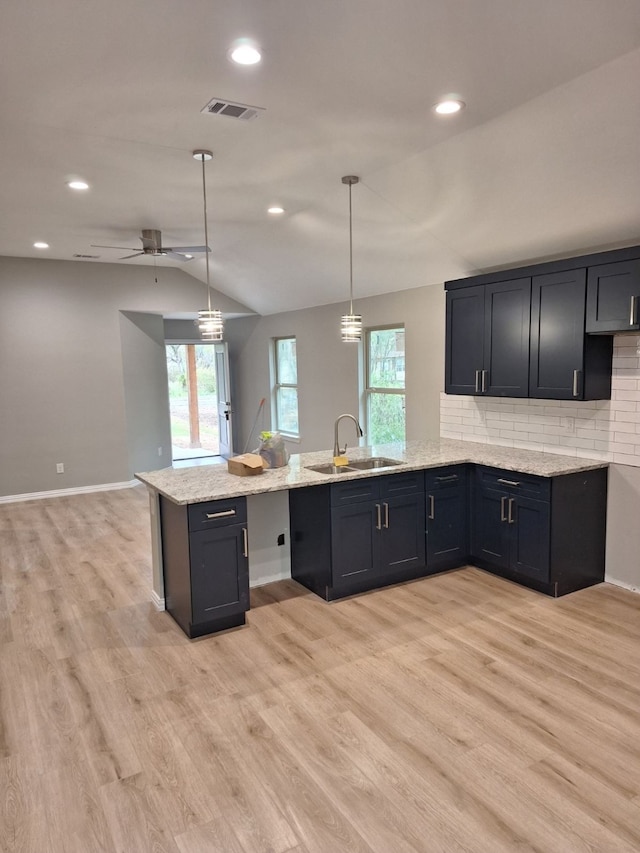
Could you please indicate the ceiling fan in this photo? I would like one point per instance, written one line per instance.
(152, 245)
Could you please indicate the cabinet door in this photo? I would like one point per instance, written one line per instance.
(402, 541)
(219, 573)
(464, 351)
(557, 335)
(447, 527)
(490, 529)
(354, 539)
(613, 293)
(506, 338)
(529, 524)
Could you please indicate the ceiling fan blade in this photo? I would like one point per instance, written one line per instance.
(126, 248)
(176, 256)
(188, 249)
(135, 255)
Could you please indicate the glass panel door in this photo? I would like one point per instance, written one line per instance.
(193, 401)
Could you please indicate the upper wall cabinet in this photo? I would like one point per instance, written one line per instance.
(565, 363)
(487, 339)
(613, 294)
(525, 332)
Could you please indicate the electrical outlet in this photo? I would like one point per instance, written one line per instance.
(59, 467)
(568, 425)
(159, 451)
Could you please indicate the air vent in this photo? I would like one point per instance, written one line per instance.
(219, 107)
(90, 257)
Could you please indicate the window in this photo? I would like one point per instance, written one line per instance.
(286, 386)
(384, 385)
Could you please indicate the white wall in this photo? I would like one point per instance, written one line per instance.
(328, 370)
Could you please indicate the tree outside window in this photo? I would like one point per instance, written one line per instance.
(286, 386)
(384, 385)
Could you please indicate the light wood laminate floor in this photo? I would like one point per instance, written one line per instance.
(455, 713)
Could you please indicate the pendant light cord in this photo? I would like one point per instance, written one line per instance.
(206, 232)
(350, 255)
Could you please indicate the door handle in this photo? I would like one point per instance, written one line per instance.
(386, 515)
(503, 517)
(245, 542)
(510, 518)
(484, 381)
(632, 311)
(432, 507)
(576, 377)
(478, 381)
(379, 519)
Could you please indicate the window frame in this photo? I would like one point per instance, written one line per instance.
(277, 385)
(368, 390)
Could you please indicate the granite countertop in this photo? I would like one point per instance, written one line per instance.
(213, 481)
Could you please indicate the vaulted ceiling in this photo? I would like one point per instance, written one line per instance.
(542, 162)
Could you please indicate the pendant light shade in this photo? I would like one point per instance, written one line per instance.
(210, 322)
(351, 325)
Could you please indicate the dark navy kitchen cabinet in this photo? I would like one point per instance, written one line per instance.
(613, 297)
(206, 564)
(487, 339)
(565, 363)
(447, 517)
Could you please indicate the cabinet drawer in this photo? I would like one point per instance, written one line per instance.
(444, 478)
(355, 491)
(514, 482)
(408, 483)
(217, 513)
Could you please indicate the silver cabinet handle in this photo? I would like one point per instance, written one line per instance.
(509, 482)
(450, 479)
(379, 512)
(503, 517)
(386, 515)
(632, 311)
(484, 381)
(223, 514)
(478, 381)
(432, 507)
(576, 375)
(245, 543)
(510, 517)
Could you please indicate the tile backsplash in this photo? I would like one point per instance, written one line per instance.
(599, 429)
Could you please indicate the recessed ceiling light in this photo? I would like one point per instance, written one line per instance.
(40, 245)
(78, 185)
(188, 257)
(448, 107)
(245, 52)
(275, 210)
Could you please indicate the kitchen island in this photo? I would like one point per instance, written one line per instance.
(538, 518)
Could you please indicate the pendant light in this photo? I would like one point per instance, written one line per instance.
(210, 322)
(351, 326)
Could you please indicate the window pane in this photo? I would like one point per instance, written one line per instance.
(386, 358)
(385, 419)
(287, 366)
(287, 414)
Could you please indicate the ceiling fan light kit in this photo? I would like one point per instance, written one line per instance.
(210, 322)
(152, 245)
(351, 324)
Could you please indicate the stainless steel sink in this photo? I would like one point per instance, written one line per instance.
(330, 468)
(373, 462)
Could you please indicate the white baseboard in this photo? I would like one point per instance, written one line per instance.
(59, 493)
(265, 579)
(624, 584)
(158, 603)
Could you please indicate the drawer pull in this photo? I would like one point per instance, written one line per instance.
(509, 482)
(245, 543)
(450, 479)
(222, 514)
(432, 507)
(503, 517)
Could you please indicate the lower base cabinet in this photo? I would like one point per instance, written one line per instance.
(447, 518)
(206, 566)
(546, 533)
(357, 535)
